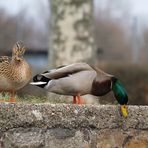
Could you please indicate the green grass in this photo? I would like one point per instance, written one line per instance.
(26, 98)
(35, 99)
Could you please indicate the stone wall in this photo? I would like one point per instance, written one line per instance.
(71, 31)
(72, 126)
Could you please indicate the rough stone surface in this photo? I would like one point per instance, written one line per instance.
(72, 126)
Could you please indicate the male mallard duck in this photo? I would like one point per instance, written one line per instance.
(14, 71)
(81, 79)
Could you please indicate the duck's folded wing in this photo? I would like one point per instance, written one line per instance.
(4, 59)
(66, 70)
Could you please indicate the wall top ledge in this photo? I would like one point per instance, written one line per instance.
(45, 115)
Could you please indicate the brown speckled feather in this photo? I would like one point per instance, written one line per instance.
(4, 62)
(5, 59)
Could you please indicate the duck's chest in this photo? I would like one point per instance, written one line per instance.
(100, 88)
(5, 84)
(20, 75)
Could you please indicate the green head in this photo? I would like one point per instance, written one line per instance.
(119, 91)
(120, 94)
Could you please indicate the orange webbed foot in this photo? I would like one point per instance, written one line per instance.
(74, 99)
(2, 100)
(78, 100)
(11, 99)
(12, 96)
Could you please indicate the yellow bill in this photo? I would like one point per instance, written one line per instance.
(124, 110)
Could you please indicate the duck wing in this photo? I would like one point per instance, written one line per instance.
(66, 70)
(4, 64)
(4, 59)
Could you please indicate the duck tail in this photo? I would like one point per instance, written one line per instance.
(40, 80)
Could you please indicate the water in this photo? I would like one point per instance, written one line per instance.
(37, 61)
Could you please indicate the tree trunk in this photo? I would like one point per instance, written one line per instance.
(71, 28)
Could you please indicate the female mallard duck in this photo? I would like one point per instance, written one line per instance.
(14, 71)
(81, 79)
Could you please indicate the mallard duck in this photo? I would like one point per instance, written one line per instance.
(81, 79)
(15, 72)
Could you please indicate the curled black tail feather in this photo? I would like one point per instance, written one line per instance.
(40, 78)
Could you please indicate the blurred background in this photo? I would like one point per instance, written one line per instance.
(118, 43)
